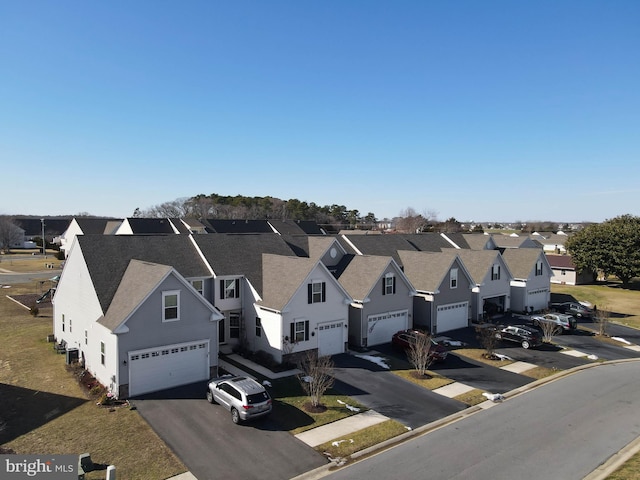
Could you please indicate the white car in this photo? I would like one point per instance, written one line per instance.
(566, 322)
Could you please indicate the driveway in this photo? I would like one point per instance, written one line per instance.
(212, 447)
(388, 394)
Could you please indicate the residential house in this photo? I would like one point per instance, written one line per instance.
(382, 299)
(491, 291)
(380, 244)
(531, 283)
(87, 226)
(506, 242)
(301, 307)
(566, 273)
(126, 308)
(551, 242)
(443, 289)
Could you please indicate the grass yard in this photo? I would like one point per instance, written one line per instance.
(629, 471)
(431, 381)
(623, 302)
(45, 411)
(23, 265)
(477, 355)
(472, 397)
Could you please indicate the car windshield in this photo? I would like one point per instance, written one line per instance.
(257, 398)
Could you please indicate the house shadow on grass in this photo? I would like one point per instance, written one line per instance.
(24, 410)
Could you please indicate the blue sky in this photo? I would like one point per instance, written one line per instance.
(478, 110)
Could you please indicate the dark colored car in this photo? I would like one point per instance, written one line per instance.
(573, 308)
(524, 335)
(402, 340)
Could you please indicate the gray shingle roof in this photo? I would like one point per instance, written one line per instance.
(381, 245)
(459, 239)
(241, 254)
(427, 242)
(283, 276)
(150, 226)
(361, 274)
(238, 226)
(138, 281)
(476, 241)
(521, 261)
(107, 258)
(427, 270)
(95, 226)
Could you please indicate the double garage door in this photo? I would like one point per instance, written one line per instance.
(168, 366)
(380, 328)
(452, 316)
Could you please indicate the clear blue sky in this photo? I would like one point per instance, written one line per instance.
(478, 110)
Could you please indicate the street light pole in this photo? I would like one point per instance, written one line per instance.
(44, 242)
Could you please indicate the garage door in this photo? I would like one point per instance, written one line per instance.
(381, 327)
(331, 338)
(168, 366)
(538, 299)
(452, 316)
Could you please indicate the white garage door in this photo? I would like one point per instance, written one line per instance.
(452, 316)
(331, 338)
(538, 299)
(168, 366)
(381, 327)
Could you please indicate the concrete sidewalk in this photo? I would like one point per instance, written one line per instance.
(331, 431)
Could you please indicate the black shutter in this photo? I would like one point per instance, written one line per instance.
(324, 292)
(221, 289)
(292, 339)
(237, 289)
(309, 293)
(306, 330)
(394, 285)
(384, 285)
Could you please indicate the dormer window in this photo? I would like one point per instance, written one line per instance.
(389, 285)
(316, 292)
(230, 288)
(453, 278)
(495, 272)
(538, 269)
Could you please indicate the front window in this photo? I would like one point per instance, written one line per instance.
(538, 269)
(63, 322)
(230, 288)
(86, 337)
(234, 325)
(299, 332)
(454, 278)
(495, 272)
(389, 285)
(199, 286)
(171, 306)
(317, 292)
(258, 327)
(102, 353)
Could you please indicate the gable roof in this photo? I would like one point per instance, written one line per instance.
(478, 262)
(427, 270)
(427, 242)
(362, 273)
(381, 245)
(283, 276)
(561, 261)
(95, 226)
(107, 258)
(237, 226)
(240, 254)
(150, 226)
(32, 226)
(477, 241)
(459, 239)
(138, 281)
(521, 261)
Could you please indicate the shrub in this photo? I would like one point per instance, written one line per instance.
(34, 311)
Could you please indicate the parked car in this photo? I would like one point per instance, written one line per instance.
(244, 397)
(573, 308)
(524, 335)
(403, 339)
(567, 323)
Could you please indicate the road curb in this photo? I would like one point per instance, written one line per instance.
(612, 464)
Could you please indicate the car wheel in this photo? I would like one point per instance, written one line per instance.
(210, 398)
(235, 416)
(525, 344)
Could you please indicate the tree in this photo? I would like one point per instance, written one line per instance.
(601, 318)
(316, 377)
(612, 247)
(549, 329)
(10, 234)
(487, 336)
(419, 353)
(410, 221)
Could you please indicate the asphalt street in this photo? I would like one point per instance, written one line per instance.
(564, 429)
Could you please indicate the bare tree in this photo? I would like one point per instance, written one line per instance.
(419, 353)
(316, 377)
(488, 338)
(601, 317)
(549, 329)
(10, 234)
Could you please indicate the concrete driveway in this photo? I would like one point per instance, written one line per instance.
(212, 447)
(388, 394)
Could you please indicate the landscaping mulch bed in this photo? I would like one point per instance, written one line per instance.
(28, 300)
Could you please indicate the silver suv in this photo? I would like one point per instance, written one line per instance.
(243, 397)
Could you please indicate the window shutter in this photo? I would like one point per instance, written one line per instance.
(306, 329)
(237, 289)
(221, 289)
(292, 338)
(384, 285)
(324, 292)
(394, 285)
(309, 293)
